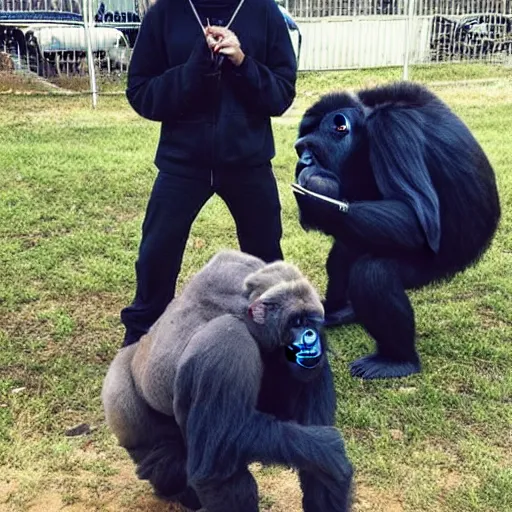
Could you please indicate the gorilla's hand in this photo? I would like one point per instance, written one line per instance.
(318, 180)
(317, 213)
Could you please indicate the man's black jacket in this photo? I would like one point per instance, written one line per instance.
(212, 117)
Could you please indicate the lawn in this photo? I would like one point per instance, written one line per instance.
(74, 186)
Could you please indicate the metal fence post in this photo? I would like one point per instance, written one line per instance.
(408, 34)
(89, 22)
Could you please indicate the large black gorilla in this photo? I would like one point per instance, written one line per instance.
(418, 204)
(234, 371)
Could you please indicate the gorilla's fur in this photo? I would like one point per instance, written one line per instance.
(209, 390)
(422, 206)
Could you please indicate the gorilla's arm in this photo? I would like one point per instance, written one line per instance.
(318, 400)
(317, 407)
(388, 225)
(227, 433)
(215, 393)
(375, 226)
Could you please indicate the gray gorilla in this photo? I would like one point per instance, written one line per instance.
(233, 372)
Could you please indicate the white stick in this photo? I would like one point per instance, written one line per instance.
(408, 31)
(342, 206)
(87, 8)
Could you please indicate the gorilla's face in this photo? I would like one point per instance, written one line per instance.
(286, 320)
(333, 154)
(304, 350)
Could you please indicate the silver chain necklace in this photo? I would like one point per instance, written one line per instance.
(230, 21)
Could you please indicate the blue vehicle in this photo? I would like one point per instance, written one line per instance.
(293, 28)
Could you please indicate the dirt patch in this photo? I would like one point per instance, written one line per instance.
(279, 489)
(279, 492)
(452, 481)
(375, 500)
(52, 502)
(7, 489)
(86, 492)
(47, 501)
(90, 491)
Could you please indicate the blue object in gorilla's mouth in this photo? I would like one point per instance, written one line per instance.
(306, 351)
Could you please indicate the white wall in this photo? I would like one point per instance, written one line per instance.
(340, 43)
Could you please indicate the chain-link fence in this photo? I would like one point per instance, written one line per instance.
(55, 37)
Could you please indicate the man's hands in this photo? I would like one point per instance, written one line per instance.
(223, 41)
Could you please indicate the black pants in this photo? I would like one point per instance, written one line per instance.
(176, 199)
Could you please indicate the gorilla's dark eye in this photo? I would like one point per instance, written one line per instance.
(341, 123)
(297, 321)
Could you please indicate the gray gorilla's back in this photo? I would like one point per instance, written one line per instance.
(216, 290)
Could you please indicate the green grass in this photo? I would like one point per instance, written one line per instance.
(74, 186)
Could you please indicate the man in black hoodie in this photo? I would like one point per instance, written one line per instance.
(214, 89)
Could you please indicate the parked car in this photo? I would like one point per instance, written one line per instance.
(470, 36)
(66, 46)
